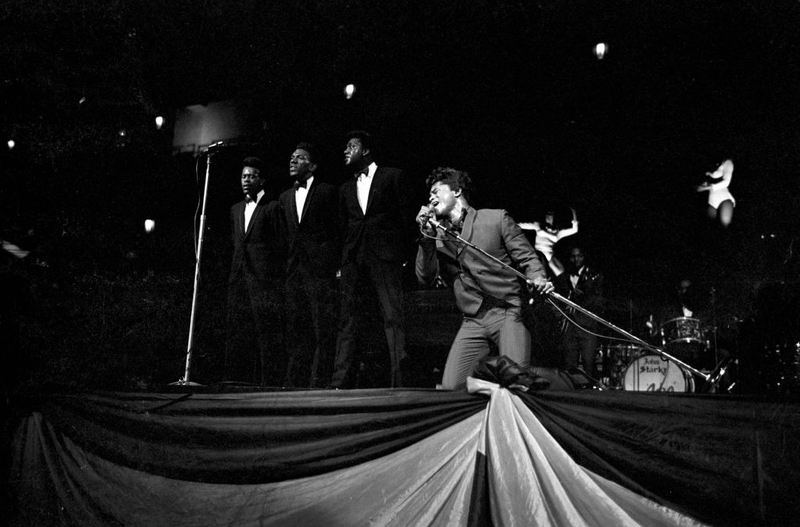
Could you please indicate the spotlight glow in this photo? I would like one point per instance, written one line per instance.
(349, 90)
(159, 122)
(600, 50)
(11, 144)
(149, 225)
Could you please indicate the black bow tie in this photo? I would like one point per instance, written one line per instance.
(298, 184)
(364, 172)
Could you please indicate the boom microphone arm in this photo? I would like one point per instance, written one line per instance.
(570, 303)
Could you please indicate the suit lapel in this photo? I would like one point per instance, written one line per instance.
(239, 219)
(466, 230)
(309, 197)
(256, 213)
(293, 209)
(372, 188)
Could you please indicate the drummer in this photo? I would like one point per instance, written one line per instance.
(684, 302)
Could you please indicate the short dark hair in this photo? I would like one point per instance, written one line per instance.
(253, 162)
(455, 179)
(310, 148)
(363, 136)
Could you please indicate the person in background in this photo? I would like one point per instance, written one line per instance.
(547, 236)
(584, 286)
(720, 199)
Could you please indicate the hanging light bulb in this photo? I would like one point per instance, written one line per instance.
(600, 50)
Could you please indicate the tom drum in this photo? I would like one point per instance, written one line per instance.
(684, 338)
(651, 373)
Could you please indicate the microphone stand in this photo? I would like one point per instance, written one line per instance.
(553, 295)
(184, 381)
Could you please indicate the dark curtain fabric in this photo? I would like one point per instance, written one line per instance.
(725, 460)
(277, 457)
(253, 437)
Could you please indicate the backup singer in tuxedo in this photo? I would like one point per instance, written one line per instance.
(375, 215)
(309, 221)
(253, 346)
(584, 286)
(489, 296)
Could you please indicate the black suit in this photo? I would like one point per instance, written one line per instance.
(587, 293)
(254, 296)
(376, 244)
(313, 256)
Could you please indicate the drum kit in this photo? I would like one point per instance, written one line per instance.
(686, 352)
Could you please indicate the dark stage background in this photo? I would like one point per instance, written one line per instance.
(509, 91)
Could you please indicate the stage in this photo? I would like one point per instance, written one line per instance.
(233, 455)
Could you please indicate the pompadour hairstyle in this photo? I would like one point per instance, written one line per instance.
(455, 179)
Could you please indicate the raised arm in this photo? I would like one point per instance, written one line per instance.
(563, 233)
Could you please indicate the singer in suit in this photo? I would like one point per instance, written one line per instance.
(254, 344)
(310, 229)
(376, 223)
(490, 296)
(584, 286)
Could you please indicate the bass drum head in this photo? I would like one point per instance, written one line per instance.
(651, 373)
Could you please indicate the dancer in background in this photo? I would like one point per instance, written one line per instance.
(720, 199)
(548, 235)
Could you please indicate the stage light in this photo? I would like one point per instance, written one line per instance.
(600, 50)
(122, 132)
(11, 144)
(349, 90)
(159, 122)
(82, 100)
(149, 225)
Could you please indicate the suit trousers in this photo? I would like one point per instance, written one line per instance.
(310, 328)
(254, 347)
(578, 342)
(359, 279)
(502, 325)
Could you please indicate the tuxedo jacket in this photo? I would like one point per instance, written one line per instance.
(312, 243)
(384, 232)
(587, 292)
(474, 276)
(256, 253)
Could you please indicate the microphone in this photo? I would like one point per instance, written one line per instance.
(214, 146)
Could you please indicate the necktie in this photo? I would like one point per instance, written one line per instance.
(364, 172)
(298, 184)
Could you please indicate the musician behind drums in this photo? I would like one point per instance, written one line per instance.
(584, 286)
(682, 326)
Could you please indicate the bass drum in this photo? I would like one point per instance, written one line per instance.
(651, 373)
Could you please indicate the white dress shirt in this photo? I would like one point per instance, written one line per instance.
(250, 207)
(300, 195)
(575, 277)
(363, 184)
